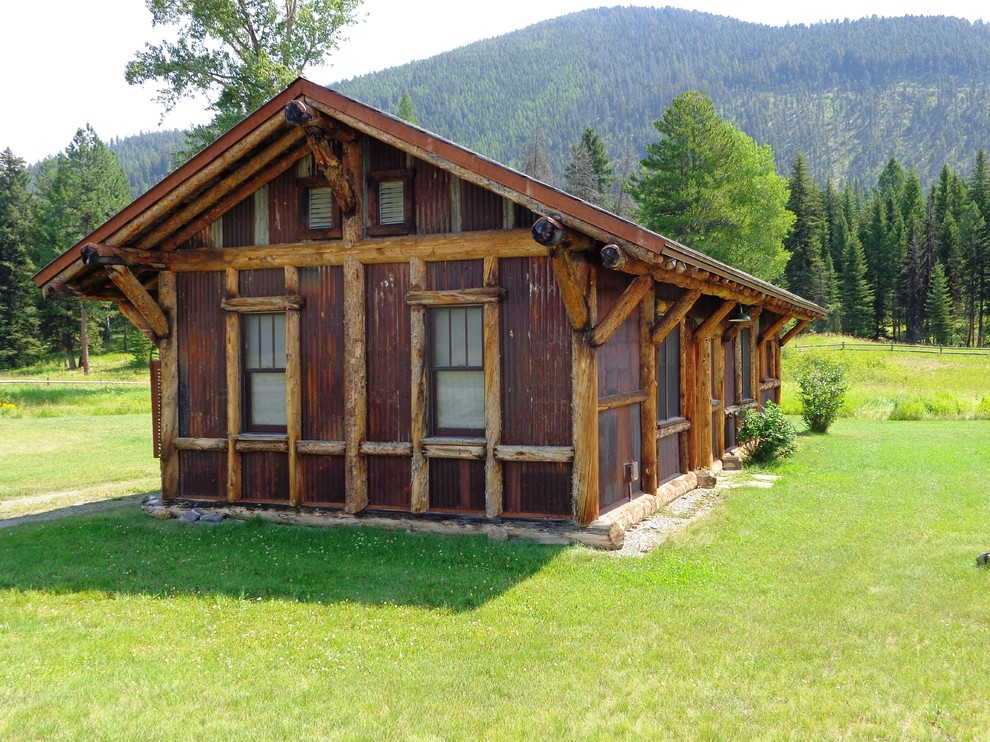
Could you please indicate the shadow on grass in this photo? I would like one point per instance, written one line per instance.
(130, 553)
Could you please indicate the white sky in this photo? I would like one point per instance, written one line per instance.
(62, 61)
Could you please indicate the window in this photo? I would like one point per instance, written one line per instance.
(746, 363)
(669, 376)
(390, 203)
(263, 349)
(457, 372)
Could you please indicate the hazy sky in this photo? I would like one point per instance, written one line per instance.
(62, 61)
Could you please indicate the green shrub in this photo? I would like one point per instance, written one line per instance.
(823, 389)
(771, 434)
(908, 409)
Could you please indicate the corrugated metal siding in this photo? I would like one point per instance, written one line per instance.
(523, 218)
(618, 442)
(537, 489)
(202, 374)
(283, 205)
(669, 455)
(480, 208)
(382, 156)
(388, 482)
(729, 386)
(455, 274)
(432, 199)
(265, 477)
(536, 356)
(203, 475)
(321, 326)
(457, 484)
(238, 224)
(323, 478)
(389, 380)
(618, 359)
(266, 282)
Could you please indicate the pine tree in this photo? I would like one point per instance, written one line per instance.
(406, 111)
(807, 273)
(855, 294)
(78, 190)
(18, 312)
(536, 164)
(938, 307)
(579, 176)
(708, 185)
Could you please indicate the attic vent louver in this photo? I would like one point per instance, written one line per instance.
(320, 208)
(391, 202)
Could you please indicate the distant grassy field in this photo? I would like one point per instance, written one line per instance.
(843, 603)
(895, 385)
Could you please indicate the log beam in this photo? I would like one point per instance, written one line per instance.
(773, 329)
(673, 316)
(621, 310)
(95, 254)
(572, 292)
(550, 233)
(249, 304)
(714, 321)
(794, 331)
(137, 295)
(485, 295)
(136, 318)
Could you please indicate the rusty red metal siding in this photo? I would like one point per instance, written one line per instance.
(669, 455)
(389, 380)
(618, 359)
(203, 475)
(323, 478)
(455, 274)
(266, 282)
(238, 224)
(283, 208)
(201, 341)
(536, 356)
(618, 443)
(480, 208)
(457, 484)
(321, 329)
(537, 489)
(265, 477)
(382, 156)
(388, 482)
(432, 199)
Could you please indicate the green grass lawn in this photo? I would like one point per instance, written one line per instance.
(842, 603)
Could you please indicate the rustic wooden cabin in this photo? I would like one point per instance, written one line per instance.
(358, 319)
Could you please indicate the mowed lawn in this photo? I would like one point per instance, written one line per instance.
(845, 602)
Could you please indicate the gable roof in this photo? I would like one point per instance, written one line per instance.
(214, 180)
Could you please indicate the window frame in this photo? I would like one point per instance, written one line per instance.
(374, 180)
(664, 398)
(304, 230)
(247, 373)
(435, 369)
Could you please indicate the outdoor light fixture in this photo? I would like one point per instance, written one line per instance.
(740, 315)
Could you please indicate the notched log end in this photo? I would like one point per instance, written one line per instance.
(298, 113)
(548, 232)
(57, 290)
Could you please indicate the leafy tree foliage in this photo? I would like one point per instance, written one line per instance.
(238, 54)
(77, 191)
(708, 185)
(18, 314)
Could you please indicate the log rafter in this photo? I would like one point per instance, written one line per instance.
(794, 331)
(139, 297)
(621, 310)
(672, 317)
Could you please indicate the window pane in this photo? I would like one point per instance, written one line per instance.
(320, 208)
(278, 340)
(460, 401)
(744, 340)
(674, 374)
(458, 337)
(250, 328)
(441, 337)
(475, 332)
(391, 206)
(267, 400)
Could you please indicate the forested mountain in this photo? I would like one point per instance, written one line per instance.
(849, 95)
(146, 158)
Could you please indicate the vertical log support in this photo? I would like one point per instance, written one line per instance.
(353, 223)
(689, 375)
(420, 485)
(648, 383)
(233, 354)
(585, 408)
(168, 350)
(494, 483)
(702, 403)
(355, 387)
(293, 389)
(775, 349)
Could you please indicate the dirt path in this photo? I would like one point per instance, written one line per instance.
(38, 508)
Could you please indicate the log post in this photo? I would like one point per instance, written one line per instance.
(573, 292)
(648, 383)
(718, 388)
(355, 387)
(494, 483)
(585, 417)
(702, 424)
(689, 377)
(420, 485)
(232, 328)
(168, 351)
(293, 389)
